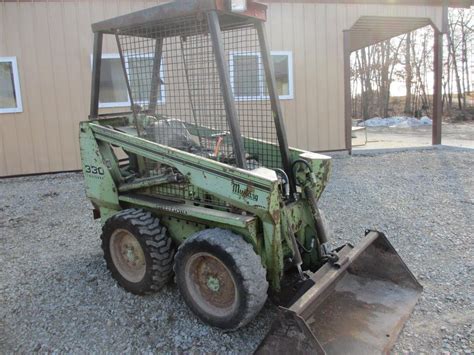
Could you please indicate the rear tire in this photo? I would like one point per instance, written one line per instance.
(221, 278)
(138, 251)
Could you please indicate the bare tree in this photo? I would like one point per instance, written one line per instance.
(408, 59)
(452, 53)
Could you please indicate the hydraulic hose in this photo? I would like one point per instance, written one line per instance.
(286, 185)
(318, 220)
(320, 230)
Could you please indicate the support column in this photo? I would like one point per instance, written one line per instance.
(156, 77)
(275, 104)
(437, 90)
(347, 91)
(95, 83)
(226, 89)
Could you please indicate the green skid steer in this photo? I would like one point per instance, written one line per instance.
(197, 180)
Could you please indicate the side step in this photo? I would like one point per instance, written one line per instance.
(356, 306)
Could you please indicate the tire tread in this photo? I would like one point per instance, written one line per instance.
(157, 244)
(247, 262)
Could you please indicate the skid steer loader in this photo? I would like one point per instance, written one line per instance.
(198, 180)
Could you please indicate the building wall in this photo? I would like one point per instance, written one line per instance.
(52, 42)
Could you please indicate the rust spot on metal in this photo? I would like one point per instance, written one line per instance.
(248, 191)
(276, 216)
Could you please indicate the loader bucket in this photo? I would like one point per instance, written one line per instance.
(356, 306)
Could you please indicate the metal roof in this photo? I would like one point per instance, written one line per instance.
(179, 9)
(369, 30)
(451, 3)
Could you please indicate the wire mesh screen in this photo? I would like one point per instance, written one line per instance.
(173, 79)
(248, 81)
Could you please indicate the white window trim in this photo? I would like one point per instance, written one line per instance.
(128, 103)
(111, 104)
(261, 70)
(16, 87)
(289, 54)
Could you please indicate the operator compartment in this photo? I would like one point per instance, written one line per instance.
(175, 89)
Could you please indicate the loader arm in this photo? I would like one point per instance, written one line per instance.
(256, 192)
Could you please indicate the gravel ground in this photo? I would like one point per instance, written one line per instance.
(56, 295)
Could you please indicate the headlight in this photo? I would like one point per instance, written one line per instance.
(238, 5)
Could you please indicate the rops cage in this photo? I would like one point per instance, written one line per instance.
(200, 79)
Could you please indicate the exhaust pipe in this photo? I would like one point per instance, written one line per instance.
(357, 305)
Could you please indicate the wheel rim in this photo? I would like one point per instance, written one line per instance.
(211, 285)
(127, 255)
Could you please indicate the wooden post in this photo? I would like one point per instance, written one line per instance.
(347, 91)
(437, 93)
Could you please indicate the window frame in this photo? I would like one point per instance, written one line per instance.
(261, 70)
(291, 94)
(111, 104)
(16, 86)
(129, 103)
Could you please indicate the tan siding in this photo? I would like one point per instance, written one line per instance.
(299, 61)
(48, 90)
(75, 88)
(84, 42)
(24, 132)
(3, 51)
(60, 76)
(11, 124)
(32, 104)
(287, 43)
(332, 69)
(53, 41)
(322, 78)
(310, 85)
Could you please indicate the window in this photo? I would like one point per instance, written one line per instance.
(248, 75)
(282, 63)
(247, 78)
(10, 95)
(113, 90)
(113, 87)
(140, 73)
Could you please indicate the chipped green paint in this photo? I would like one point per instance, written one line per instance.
(264, 218)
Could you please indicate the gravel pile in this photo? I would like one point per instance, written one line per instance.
(56, 295)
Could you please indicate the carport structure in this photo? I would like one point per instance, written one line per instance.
(370, 30)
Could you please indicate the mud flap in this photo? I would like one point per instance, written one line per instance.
(357, 305)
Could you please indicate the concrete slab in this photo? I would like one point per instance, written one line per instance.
(456, 135)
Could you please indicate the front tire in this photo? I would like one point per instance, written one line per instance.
(138, 251)
(221, 278)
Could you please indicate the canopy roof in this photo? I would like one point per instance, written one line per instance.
(369, 30)
(451, 3)
(179, 10)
